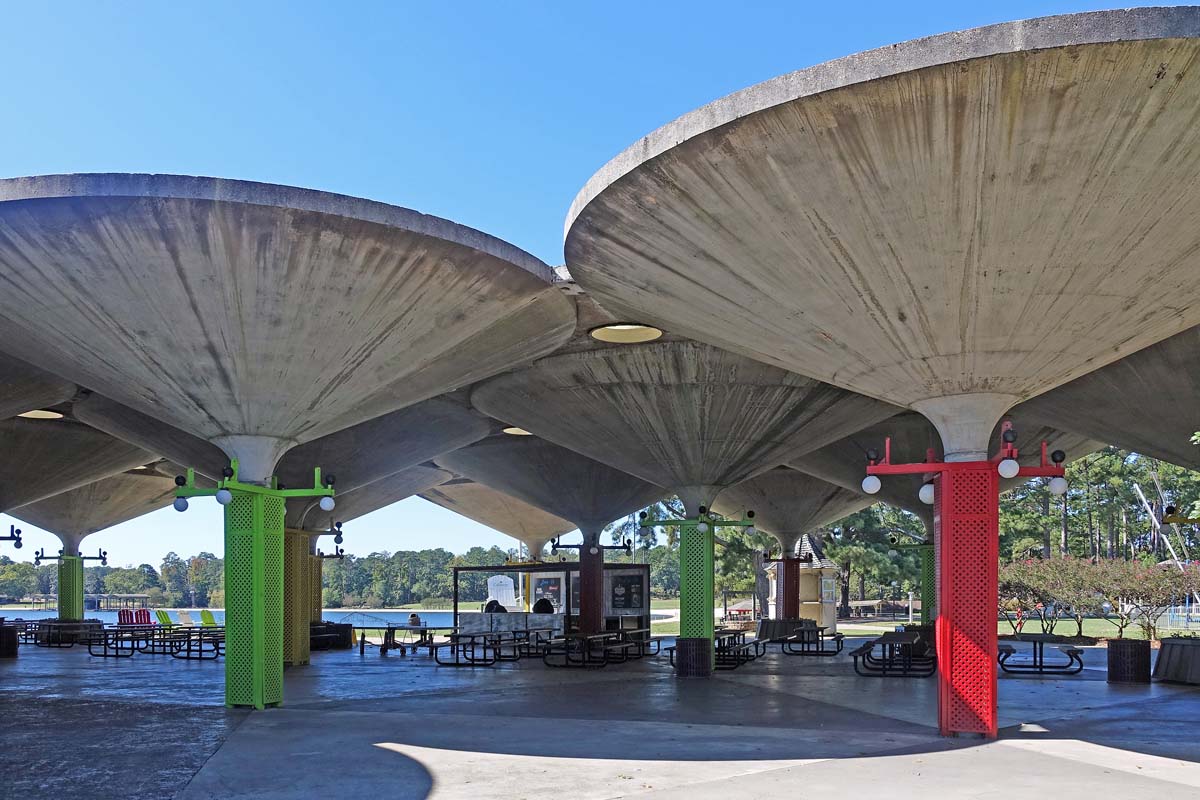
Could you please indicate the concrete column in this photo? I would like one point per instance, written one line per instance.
(254, 599)
(694, 647)
(591, 582)
(297, 596)
(966, 540)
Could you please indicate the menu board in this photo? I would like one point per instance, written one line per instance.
(575, 594)
(549, 588)
(627, 593)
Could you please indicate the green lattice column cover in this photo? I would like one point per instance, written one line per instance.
(694, 656)
(70, 587)
(254, 600)
(928, 585)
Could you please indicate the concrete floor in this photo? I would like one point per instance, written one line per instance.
(72, 726)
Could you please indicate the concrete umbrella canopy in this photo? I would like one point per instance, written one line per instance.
(950, 224)
(681, 415)
(192, 287)
(45, 457)
(25, 388)
(302, 562)
(80, 512)
(257, 318)
(526, 523)
(1146, 402)
(356, 456)
(788, 504)
(566, 484)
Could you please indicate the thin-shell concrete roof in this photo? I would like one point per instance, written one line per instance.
(981, 215)
(259, 317)
(499, 511)
(677, 414)
(554, 479)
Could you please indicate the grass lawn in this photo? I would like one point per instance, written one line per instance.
(665, 628)
(1091, 627)
(664, 602)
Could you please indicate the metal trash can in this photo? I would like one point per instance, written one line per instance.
(8, 641)
(1128, 661)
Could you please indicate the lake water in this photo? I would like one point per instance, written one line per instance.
(360, 619)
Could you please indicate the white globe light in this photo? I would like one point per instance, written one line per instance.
(224, 496)
(871, 484)
(893, 553)
(593, 550)
(702, 527)
(327, 503)
(1008, 468)
(1058, 486)
(926, 493)
(180, 504)
(750, 529)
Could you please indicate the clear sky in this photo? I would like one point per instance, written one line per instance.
(491, 114)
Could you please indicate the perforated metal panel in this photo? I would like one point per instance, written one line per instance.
(272, 538)
(928, 585)
(968, 541)
(239, 601)
(315, 586)
(70, 588)
(253, 600)
(696, 605)
(296, 598)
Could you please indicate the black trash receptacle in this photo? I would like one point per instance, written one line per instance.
(8, 641)
(1128, 661)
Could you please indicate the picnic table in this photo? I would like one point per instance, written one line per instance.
(469, 649)
(811, 640)
(425, 638)
(1038, 663)
(585, 649)
(900, 656)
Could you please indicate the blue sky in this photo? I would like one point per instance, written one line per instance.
(490, 114)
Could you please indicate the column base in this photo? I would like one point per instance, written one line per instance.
(693, 658)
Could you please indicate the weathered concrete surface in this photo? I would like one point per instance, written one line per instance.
(487, 506)
(844, 462)
(179, 297)
(99, 505)
(1146, 402)
(45, 457)
(678, 414)
(305, 514)
(355, 456)
(978, 216)
(788, 503)
(24, 388)
(554, 479)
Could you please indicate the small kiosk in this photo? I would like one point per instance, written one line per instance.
(626, 597)
(814, 580)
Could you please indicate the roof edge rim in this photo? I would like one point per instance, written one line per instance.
(1026, 35)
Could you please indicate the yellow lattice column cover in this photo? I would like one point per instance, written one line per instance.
(254, 599)
(297, 573)
(315, 583)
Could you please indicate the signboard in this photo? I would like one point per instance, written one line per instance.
(549, 588)
(828, 589)
(627, 593)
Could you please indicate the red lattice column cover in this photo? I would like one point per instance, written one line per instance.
(966, 529)
(788, 590)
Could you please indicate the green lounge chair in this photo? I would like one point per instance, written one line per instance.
(163, 618)
(207, 619)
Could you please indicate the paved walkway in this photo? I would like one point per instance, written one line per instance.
(366, 726)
